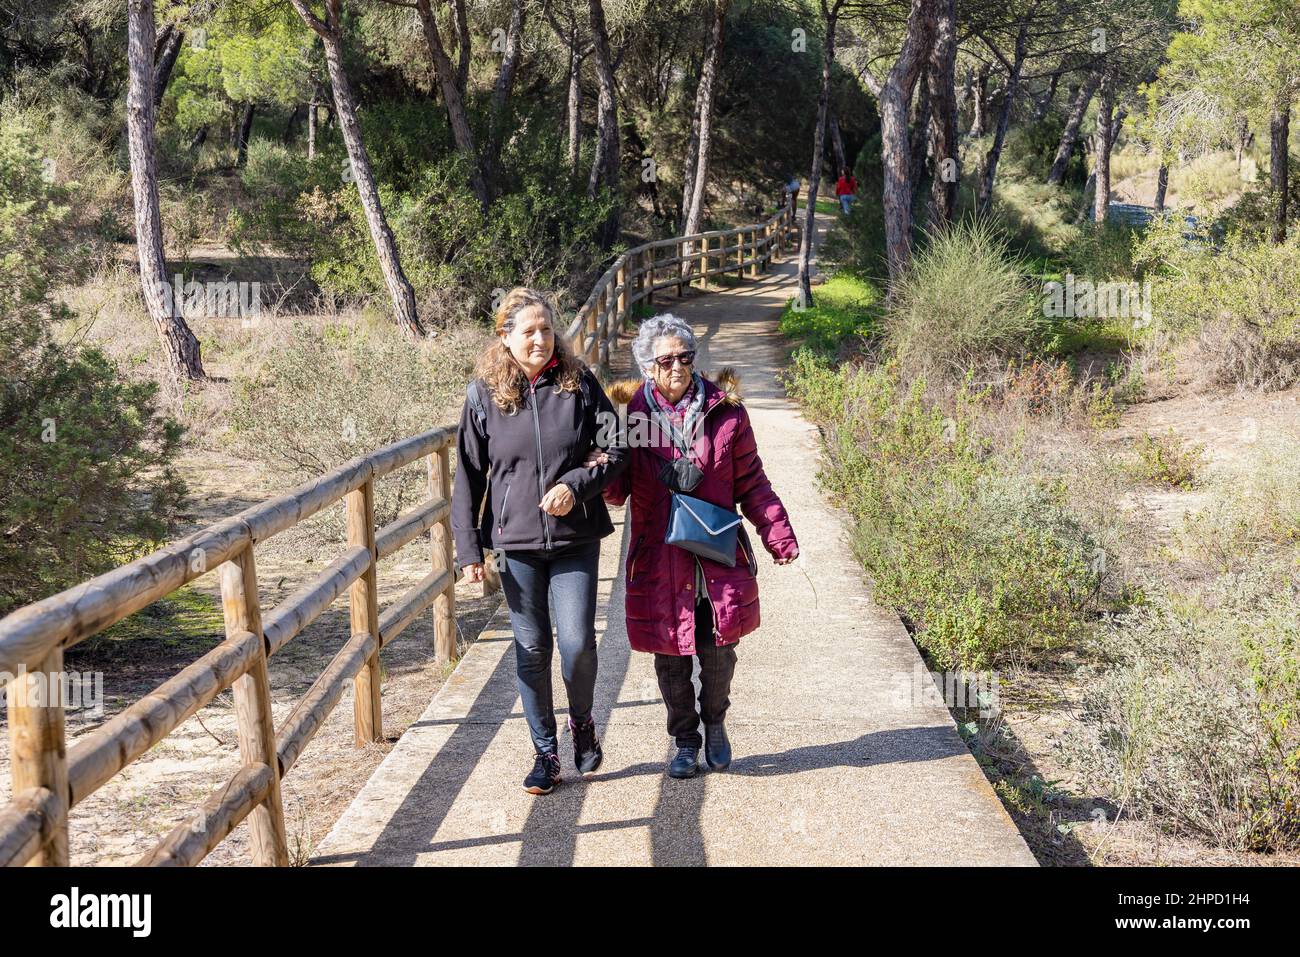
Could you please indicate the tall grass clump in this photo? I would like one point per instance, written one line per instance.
(962, 304)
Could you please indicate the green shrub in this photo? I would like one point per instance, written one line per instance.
(87, 458)
(983, 561)
(962, 303)
(1165, 459)
(1195, 719)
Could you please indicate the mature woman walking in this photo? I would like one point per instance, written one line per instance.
(693, 458)
(531, 416)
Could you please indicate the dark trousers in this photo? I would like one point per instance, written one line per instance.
(536, 585)
(717, 665)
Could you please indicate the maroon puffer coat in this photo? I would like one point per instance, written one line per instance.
(661, 577)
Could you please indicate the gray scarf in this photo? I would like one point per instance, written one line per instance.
(681, 438)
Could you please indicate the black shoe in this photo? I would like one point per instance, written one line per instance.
(685, 764)
(545, 774)
(717, 749)
(586, 746)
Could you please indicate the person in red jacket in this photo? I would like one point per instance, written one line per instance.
(681, 606)
(846, 189)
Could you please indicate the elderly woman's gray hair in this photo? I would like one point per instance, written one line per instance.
(663, 326)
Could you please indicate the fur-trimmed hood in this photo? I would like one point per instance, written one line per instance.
(727, 381)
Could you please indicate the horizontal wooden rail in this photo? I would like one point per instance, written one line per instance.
(95, 758)
(306, 604)
(188, 843)
(638, 274)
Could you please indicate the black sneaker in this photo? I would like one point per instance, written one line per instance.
(545, 774)
(586, 746)
(685, 763)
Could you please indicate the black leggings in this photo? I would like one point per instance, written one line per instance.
(717, 665)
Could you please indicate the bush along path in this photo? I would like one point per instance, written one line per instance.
(844, 753)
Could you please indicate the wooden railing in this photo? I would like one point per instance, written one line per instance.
(49, 778)
(643, 270)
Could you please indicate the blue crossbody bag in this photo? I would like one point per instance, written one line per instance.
(703, 528)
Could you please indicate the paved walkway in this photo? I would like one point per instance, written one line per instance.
(837, 760)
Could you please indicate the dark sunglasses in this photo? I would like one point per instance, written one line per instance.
(666, 362)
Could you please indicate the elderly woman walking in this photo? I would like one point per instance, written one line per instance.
(692, 590)
(531, 416)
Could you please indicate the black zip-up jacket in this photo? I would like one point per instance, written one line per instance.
(516, 459)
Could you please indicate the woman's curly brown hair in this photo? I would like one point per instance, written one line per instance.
(503, 375)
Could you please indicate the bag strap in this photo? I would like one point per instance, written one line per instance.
(474, 395)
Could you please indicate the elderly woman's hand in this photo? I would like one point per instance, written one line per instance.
(595, 457)
(558, 501)
(787, 561)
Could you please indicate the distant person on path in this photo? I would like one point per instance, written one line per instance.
(846, 189)
(680, 605)
(792, 190)
(531, 415)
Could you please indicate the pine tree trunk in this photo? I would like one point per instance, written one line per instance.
(501, 96)
(453, 99)
(345, 108)
(818, 157)
(605, 163)
(1279, 126)
(994, 154)
(1078, 109)
(943, 111)
(575, 106)
(837, 142)
(462, 46)
(1103, 139)
(312, 107)
(291, 125)
(895, 156)
(919, 137)
(704, 109)
(164, 62)
(692, 151)
(980, 117)
(179, 344)
(245, 129)
(1162, 186)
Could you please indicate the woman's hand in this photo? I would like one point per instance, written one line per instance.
(474, 572)
(595, 457)
(558, 501)
(788, 560)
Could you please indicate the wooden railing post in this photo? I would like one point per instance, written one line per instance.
(444, 606)
(593, 324)
(38, 749)
(753, 252)
(779, 246)
(363, 602)
(740, 254)
(683, 266)
(649, 265)
(252, 692)
(615, 325)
